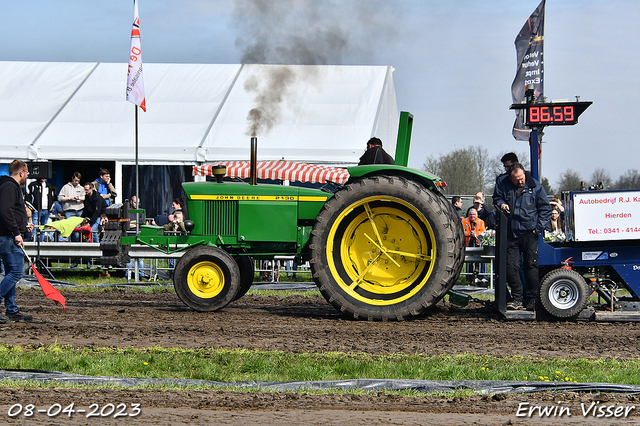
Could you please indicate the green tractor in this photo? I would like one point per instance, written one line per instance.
(386, 245)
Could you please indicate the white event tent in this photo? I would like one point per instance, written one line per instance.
(196, 113)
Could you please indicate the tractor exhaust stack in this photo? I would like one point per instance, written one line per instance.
(254, 161)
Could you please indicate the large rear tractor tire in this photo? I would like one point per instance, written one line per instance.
(206, 278)
(459, 241)
(385, 248)
(564, 293)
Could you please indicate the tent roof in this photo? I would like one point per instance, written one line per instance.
(195, 112)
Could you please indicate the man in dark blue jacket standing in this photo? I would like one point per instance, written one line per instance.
(525, 202)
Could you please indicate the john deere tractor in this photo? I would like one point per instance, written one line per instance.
(385, 245)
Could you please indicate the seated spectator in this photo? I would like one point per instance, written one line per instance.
(86, 236)
(56, 213)
(161, 220)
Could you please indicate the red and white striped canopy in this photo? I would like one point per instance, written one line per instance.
(278, 170)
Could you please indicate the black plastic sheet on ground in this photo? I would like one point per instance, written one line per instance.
(480, 386)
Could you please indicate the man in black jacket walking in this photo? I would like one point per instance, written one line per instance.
(13, 225)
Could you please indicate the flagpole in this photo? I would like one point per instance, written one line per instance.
(138, 203)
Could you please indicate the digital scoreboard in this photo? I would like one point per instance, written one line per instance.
(553, 113)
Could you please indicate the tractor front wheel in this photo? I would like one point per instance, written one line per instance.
(206, 278)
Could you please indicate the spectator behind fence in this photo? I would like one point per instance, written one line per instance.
(94, 207)
(72, 198)
(456, 200)
(42, 197)
(105, 188)
(483, 213)
(474, 226)
(133, 217)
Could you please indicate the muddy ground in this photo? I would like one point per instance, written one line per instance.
(125, 317)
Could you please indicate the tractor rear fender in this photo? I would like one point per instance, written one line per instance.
(428, 180)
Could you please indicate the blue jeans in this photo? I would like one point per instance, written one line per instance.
(95, 227)
(75, 236)
(13, 260)
(131, 268)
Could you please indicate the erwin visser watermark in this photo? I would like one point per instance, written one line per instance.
(595, 409)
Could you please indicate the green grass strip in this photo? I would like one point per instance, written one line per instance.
(240, 365)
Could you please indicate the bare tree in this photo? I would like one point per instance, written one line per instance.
(570, 181)
(629, 180)
(466, 171)
(601, 175)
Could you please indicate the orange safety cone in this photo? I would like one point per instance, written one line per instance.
(50, 291)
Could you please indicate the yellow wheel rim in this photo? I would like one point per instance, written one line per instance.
(205, 280)
(381, 250)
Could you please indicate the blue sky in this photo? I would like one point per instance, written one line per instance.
(454, 60)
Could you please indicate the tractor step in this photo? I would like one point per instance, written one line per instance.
(618, 316)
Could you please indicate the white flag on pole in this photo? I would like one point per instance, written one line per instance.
(135, 83)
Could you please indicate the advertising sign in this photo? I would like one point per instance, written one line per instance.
(607, 216)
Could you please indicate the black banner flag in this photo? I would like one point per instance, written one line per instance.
(530, 51)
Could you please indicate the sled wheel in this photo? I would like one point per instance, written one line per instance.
(564, 293)
(247, 272)
(383, 248)
(206, 278)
